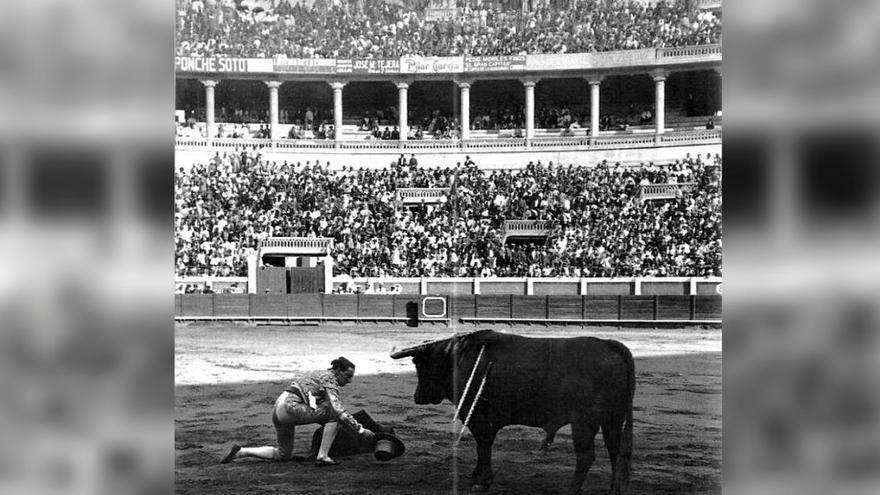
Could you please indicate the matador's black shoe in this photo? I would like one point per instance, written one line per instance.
(231, 455)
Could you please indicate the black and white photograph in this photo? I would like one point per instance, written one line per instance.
(448, 246)
(439, 246)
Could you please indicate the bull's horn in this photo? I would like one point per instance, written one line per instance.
(409, 351)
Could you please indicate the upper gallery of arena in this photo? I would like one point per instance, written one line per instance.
(394, 28)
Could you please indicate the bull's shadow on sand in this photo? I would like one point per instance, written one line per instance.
(677, 440)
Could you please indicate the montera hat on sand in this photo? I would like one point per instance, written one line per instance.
(387, 447)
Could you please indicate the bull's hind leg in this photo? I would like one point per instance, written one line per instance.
(611, 434)
(583, 434)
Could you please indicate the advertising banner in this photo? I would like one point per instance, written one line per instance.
(431, 65)
(441, 14)
(368, 66)
(216, 64)
(496, 63)
(563, 61)
(558, 61)
(304, 65)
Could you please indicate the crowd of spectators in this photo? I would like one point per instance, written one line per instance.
(382, 29)
(599, 227)
(510, 116)
(299, 130)
(553, 117)
(306, 124)
(373, 119)
(437, 125)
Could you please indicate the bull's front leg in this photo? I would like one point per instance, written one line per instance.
(549, 434)
(484, 434)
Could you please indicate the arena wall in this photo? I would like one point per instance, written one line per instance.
(488, 159)
(449, 308)
(452, 286)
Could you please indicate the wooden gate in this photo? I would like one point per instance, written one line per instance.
(306, 280)
(271, 280)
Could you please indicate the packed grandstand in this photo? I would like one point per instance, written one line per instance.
(385, 29)
(600, 228)
(235, 195)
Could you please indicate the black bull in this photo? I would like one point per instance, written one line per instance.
(540, 382)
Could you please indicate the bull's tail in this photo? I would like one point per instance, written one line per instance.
(624, 455)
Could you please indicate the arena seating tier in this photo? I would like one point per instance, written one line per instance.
(380, 29)
(599, 226)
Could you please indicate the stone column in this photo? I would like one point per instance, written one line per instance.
(402, 108)
(465, 109)
(252, 273)
(456, 102)
(337, 109)
(594, 107)
(660, 101)
(719, 94)
(209, 108)
(530, 106)
(273, 107)
(328, 274)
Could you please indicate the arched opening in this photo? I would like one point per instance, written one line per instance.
(562, 102)
(242, 102)
(498, 104)
(189, 97)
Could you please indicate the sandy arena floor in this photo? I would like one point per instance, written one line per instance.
(227, 377)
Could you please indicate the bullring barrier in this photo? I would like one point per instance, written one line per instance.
(510, 308)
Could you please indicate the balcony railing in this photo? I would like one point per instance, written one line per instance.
(700, 51)
(422, 195)
(709, 4)
(296, 242)
(650, 192)
(623, 141)
(292, 144)
(296, 245)
(526, 228)
(693, 137)
(574, 143)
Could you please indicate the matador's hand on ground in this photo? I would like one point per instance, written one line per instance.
(366, 434)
